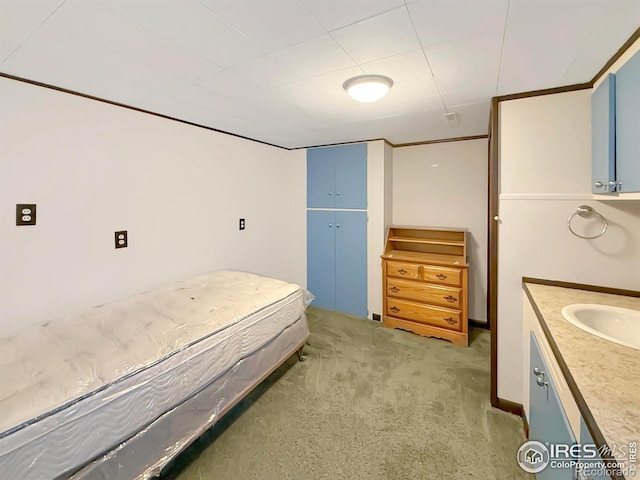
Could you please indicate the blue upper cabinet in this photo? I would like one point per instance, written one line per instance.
(337, 177)
(603, 136)
(628, 126)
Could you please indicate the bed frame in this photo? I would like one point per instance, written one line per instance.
(226, 333)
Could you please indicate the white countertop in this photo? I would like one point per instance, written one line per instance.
(606, 374)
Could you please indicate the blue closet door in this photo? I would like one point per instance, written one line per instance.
(321, 261)
(351, 262)
(321, 177)
(628, 125)
(547, 422)
(351, 176)
(603, 134)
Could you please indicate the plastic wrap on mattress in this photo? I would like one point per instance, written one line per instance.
(74, 389)
(145, 454)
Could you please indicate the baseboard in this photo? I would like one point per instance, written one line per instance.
(508, 406)
(478, 324)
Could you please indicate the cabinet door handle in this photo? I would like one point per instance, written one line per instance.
(338, 193)
(541, 382)
(450, 320)
(537, 371)
(394, 309)
(450, 298)
(599, 184)
(441, 276)
(394, 289)
(402, 271)
(330, 193)
(330, 225)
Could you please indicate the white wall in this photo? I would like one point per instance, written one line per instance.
(445, 184)
(93, 168)
(545, 169)
(379, 178)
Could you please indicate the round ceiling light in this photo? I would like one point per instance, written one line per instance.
(368, 88)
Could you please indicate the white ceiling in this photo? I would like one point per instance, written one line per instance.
(273, 70)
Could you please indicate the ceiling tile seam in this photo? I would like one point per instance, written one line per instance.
(424, 54)
(246, 35)
(577, 55)
(34, 31)
(165, 39)
(229, 24)
(138, 60)
(363, 19)
(504, 35)
(304, 5)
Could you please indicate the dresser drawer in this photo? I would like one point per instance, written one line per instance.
(443, 275)
(436, 294)
(430, 315)
(403, 270)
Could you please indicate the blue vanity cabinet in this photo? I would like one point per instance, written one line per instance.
(548, 422)
(337, 260)
(337, 177)
(603, 136)
(586, 439)
(627, 106)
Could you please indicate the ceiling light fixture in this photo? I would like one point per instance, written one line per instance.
(368, 88)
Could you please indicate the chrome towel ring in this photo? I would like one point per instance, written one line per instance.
(585, 211)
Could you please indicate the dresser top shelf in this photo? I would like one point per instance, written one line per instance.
(396, 238)
(442, 246)
(423, 257)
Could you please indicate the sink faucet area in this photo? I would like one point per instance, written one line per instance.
(616, 324)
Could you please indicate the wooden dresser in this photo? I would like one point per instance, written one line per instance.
(425, 278)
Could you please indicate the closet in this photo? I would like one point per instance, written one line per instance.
(337, 227)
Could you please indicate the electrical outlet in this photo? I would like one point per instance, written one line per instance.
(121, 239)
(25, 214)
(241, 224)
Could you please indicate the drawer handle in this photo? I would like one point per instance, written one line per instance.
(402, 271)
(441, 276)
(450, 320)
(450, 298)
(394, 309)
(394, 289)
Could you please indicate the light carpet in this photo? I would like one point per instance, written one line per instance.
(369, 403)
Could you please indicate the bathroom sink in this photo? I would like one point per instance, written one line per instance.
(619, 325)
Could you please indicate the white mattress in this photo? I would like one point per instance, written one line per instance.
(74, 388)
